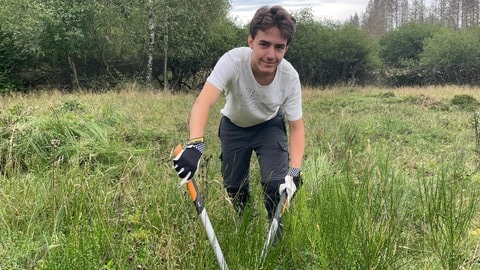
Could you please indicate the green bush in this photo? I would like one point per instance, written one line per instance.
(400, 51)
(11, 58)
(325, 54)
(465, 102)
(405, 43)
(451, 56)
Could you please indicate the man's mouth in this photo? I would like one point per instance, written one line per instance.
(268, 63)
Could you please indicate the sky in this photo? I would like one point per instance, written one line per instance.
(337, 11)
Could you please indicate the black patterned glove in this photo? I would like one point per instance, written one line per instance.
(187, 161)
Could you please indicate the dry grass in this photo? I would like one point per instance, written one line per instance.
(435, 92)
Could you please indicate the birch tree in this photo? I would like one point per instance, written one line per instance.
(151, 42)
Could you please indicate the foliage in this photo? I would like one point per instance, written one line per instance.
(19, 47)
(447, 63)
(102, 45)
(195, 49)
(335, 53)
(67, 34)
(465, 102)
(400, 51)
(10, 57)
(383, 16)
(405, 43)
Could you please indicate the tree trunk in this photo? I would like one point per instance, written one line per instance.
(165, 50)
(73, 68)
(151, 43)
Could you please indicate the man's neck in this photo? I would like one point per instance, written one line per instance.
(263, 78)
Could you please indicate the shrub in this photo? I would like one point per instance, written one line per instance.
(465, 102)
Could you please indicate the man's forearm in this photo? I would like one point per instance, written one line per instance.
(297, 144)
(198, 121)
(201, 109)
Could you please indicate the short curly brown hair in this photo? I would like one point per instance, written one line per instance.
(276, 16)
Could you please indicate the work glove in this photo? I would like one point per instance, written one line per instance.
(187, 161)
(293, 181)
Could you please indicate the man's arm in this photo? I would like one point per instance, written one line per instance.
(186, 162)
(201, 109)
(297, 143)
(293, 179)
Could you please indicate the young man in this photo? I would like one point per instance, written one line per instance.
(261, 90)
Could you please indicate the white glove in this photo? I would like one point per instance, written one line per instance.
(289, 186)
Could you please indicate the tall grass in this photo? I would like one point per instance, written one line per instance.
(449, 201)
(390, 182)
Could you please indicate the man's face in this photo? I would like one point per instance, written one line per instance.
(269, 48)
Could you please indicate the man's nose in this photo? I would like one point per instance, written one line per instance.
(271, 52)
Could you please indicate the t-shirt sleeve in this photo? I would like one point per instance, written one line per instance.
(293, 104)
(223, 71)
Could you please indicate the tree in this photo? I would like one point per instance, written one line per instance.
(310, 42)
(121, 41)
(405, 43)
(400, 51)
(66, 36)
(375, 18)
(355, 20)
(19, 47)
(418, 11)
(151, 42)
(470, 13)
(324, 53)
(452, 56)
(352, 56)
(190, 35)
(10, 57)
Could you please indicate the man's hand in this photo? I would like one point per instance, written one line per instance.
(293, 180)
(187, 161)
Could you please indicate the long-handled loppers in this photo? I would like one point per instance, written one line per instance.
(274, 226)
(202, 212)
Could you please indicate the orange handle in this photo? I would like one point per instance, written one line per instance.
(192, 191)
(177, 150)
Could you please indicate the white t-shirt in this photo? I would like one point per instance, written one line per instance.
(247, 102)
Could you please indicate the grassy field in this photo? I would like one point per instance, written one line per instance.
(391, 181)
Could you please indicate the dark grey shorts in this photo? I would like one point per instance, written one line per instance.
(268, 140)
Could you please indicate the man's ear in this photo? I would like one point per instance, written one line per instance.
(250, 41)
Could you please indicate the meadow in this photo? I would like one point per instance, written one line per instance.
(391, 181)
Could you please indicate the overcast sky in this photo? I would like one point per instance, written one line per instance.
(340, 11)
